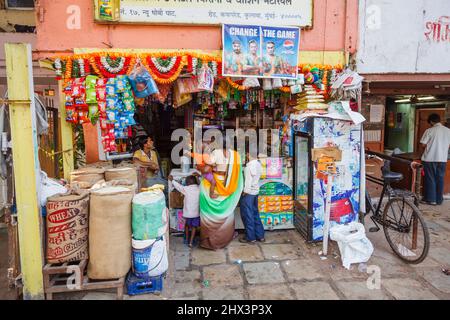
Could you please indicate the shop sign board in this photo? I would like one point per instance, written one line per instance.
(259, 51)
(207, 12)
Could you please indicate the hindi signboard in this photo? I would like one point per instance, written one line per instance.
(208, 12)
(258, 51)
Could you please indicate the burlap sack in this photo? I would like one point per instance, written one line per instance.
(85, 178)
(122, 173)
(110, 233)
(67, 228)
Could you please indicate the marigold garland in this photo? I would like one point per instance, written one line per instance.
(164, 78)
(235, 85)
(68, 73)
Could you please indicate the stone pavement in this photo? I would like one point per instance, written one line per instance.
(285, 267)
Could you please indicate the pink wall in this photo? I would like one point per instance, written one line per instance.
(335, 28)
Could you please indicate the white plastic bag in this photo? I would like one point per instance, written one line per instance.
(49, 187)
(251, 82)
(353, 244)
(206, 79)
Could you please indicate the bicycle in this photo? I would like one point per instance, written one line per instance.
(404, 227)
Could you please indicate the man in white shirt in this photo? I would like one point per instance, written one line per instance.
(254, 229)
(436, 141)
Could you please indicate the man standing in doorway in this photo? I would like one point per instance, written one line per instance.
(254, 229)
(436, 141)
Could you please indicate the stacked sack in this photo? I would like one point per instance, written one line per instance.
(149, 243)
(311, 99)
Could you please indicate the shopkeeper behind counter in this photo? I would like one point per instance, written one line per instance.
(146, 157)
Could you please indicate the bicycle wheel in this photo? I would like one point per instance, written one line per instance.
(405, 230)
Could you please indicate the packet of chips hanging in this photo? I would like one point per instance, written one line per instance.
(71, 114)
(129, 104)
(121, 83)
(111, 103)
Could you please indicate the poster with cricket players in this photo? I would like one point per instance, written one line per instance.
(263, 52)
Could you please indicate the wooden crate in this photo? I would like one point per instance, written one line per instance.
(71, 277)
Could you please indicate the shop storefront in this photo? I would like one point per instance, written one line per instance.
(190, 88)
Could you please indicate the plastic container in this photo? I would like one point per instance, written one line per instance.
(136, 286)
(149, 257)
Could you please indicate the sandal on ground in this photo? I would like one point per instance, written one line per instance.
(244, 240)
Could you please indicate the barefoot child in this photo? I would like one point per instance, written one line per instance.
(191, 207)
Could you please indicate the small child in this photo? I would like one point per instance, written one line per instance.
(191, 205)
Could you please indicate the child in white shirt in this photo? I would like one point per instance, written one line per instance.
(191, 205)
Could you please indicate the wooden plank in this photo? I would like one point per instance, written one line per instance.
(26, 166)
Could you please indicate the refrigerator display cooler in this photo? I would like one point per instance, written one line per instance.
(309, 191)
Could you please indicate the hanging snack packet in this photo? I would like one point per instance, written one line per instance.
(91, 81)
(112, 116)
(101, 93)
(101, 82)
(71, 114)
(142, 82)
(91, 95)
(121, 83)
(127, 94)
(83, 117)
(102, 107)
(111, 103)
(93, 112)
(129, 104)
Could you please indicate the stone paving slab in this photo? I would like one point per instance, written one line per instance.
(280, 251)
(223, 275)
(263, 272)
(440, 254)
(187, 276)
(357, 290)
(247, 252)
(317, 290)
(302, 269)
(436, 278)
(408, 289)
(185, 290)
(269, 292)
(99, 296)
(201, 257)
(278, 237)
(181, 260)
(223, 293)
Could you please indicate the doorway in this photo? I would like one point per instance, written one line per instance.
(422, 122)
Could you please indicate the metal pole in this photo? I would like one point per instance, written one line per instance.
(326, 225)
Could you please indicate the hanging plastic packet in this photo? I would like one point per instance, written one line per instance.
(111, 103)
(83, 117)
(206, 78)
(112, 116)
(91, 81)
(121, 83)
(127, 94)
(129, 104)
(102, 106)
(93, 112)
(71, 114)
(142, 82)
(251, 82)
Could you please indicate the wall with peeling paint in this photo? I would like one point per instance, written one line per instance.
(404, 36)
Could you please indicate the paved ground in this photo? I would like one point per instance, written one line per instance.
(285, 267)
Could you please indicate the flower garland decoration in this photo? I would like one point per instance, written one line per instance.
(157, 70)
(285, 89)
(194, 65)
(82, 68)
(106, 67)
(68, 73)
(58, 68)
(235, 85)
(164, 65)
(112, 66)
